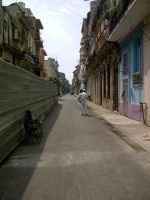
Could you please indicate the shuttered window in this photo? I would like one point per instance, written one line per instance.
(137, 79)
(137, 54)
(125, 64)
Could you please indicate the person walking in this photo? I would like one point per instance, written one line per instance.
(81, 91)
(83, 97)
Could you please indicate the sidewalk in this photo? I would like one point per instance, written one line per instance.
(135, 133)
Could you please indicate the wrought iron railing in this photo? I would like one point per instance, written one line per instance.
(118, 12)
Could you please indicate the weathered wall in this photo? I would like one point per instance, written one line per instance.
(20, 91)
(131, 95)
(146, 48)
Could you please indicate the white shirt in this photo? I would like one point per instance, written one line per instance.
(83, 96)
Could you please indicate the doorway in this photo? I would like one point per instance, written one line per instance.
(125, 97)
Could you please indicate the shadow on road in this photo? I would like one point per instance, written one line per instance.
(17, 170)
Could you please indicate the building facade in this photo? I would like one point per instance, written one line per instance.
(76, 82)
(20, 44)
(129, 27)
(114, 52)
(51, 68)
(64, 86)
(100, 58)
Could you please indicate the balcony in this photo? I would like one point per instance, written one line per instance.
(37, 36)
(126, 16)
(27, 57)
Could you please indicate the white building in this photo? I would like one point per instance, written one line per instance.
(51, 67)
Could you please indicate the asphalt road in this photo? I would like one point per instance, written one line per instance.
(80, 158)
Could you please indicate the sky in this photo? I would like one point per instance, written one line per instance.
(62, 22)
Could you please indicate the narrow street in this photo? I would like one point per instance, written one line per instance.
(80, 158)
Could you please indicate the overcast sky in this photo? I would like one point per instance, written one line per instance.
(62, 21)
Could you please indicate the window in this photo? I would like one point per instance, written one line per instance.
(1, 52)
(104, 84)
(5, 25)
(114, 3)
(108, 83)
(137, 79)
(13, 32)
(137, 74)
(29, 41)
(125, 64)
(137, 55)
(0, 23)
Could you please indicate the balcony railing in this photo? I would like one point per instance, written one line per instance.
(118, 12)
